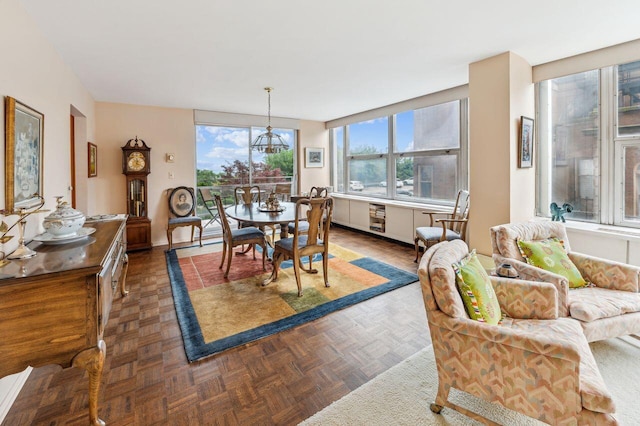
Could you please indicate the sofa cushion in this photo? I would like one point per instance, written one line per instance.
(551, 256)
(592, 303)
(476, 290)
(593, 390)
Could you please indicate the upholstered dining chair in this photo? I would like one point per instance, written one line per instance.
(236, 237)
(452, 227)
(314, 241)
(303, 226)
(209, 204)
(529, 360)
(247, 194)
(182, 212)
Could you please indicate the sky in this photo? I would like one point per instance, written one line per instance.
(217, 146)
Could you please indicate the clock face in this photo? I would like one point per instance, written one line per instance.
(136, 161)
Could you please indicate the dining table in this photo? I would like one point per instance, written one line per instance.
(258, 215)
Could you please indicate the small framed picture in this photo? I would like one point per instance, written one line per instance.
(181, 201)
(92, 159)
(314, 157)
(525, 142)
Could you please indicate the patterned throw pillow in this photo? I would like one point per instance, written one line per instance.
(476, 290)
(550, 255)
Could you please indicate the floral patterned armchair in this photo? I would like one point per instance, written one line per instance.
(608, 307)
(532, 362)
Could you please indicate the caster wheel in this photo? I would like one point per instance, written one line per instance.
(436, 408)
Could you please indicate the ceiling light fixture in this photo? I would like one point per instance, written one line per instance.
(269, 142)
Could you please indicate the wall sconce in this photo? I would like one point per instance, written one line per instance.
(169, 157)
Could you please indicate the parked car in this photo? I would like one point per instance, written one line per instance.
(408, 181)
(355, 185)
(398, 183)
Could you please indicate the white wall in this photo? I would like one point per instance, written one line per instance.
(33, 73)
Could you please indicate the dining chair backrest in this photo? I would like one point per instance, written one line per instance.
(283, 191)
(318, 192)
(461, 211)
(226, 228)
(247, 194)
(317, 213)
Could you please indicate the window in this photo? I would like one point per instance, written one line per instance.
(589, 144)
(418, 155)
(223, 156)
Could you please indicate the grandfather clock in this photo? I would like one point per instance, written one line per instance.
(136, 166)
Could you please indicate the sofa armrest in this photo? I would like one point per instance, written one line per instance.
(526, 299)
(534, 340)
(532, 273)
(606, 273)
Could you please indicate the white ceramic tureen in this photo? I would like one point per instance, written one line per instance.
(65, 221)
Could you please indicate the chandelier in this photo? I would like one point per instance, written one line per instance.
(269, 142)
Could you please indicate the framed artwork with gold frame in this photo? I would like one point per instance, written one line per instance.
(24, 137)
(92, 159)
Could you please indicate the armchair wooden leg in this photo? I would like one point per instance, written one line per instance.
(417, 245)
(169, 237)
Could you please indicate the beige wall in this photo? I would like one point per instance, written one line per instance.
(165, 130)
(313, 135)
(33, 73)
(500, 91)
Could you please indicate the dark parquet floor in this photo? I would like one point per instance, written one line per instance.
(280, 380)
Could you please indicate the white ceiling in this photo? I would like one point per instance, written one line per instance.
(325, 59)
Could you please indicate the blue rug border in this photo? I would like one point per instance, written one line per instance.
(194, 344)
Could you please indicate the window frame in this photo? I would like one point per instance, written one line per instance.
(610, 153)
(393, 155)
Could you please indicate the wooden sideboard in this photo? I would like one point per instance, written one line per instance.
(54, 307)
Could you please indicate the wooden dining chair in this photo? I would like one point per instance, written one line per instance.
(182, 212)
(247, 194)
(250, 194)
(451, 227)
(315, 241)
(315, 192)
(237, 237)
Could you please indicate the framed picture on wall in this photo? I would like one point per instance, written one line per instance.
(525, 142)
(92, 159)
(24, 132)
(314, 157)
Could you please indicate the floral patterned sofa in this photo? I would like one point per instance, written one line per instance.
(532, 361)
(609, 306)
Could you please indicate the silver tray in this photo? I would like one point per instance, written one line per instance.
(50, 239)
(265, 209)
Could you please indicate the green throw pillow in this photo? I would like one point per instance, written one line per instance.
(550, 255)
(476, 290)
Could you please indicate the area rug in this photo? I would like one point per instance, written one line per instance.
(402, 394)
(216, 314)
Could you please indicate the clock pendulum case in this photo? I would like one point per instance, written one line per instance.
(136, 167)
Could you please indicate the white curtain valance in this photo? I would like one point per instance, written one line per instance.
(215, 118)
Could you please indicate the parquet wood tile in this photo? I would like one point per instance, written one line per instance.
(279, 380)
